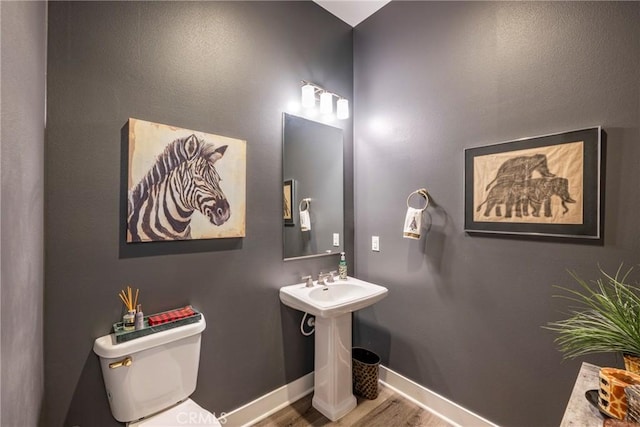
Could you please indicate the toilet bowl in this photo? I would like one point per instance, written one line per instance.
(148, 380)
(187, 413)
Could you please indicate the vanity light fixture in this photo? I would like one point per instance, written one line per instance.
(309, 92)
(308, 96)
(326, 103)
(342, 109)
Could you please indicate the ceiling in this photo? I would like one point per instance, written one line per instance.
(352, 12)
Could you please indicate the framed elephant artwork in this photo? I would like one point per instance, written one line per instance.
(542, 186)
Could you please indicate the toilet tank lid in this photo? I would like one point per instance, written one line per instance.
(107, 347)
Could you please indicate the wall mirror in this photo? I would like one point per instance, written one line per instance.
(312, 178)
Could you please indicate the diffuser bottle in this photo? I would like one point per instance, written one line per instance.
(128, 320)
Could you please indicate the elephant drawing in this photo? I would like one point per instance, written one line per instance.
(536, 192)
(505, 193)
(540, 190)
(520, 169)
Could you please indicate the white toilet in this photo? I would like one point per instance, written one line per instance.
(149, 379)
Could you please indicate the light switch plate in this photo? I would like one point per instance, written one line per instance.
(336, 239)
(375, 243)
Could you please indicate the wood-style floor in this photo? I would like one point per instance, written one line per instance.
(388, 410)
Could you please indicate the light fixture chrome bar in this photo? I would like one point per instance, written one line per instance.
(310, 93)
(320, 89)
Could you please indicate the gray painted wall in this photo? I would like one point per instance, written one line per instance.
(464, 314)
(23, 47)
(228, 68)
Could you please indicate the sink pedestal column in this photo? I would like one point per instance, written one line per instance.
(333, 384)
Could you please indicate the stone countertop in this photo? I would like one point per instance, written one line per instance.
(579, 412)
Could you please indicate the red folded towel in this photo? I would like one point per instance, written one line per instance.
(170, 316)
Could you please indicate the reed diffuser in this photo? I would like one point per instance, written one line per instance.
(130, 303)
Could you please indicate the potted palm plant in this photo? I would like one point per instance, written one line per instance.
(607, 319)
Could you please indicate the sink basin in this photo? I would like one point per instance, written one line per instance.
(334, 299)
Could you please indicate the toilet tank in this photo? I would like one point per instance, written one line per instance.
(163, 370)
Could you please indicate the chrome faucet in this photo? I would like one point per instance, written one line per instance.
(322, 279)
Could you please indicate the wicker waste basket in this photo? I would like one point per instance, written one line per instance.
(366, 366)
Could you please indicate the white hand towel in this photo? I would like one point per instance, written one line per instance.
(305, 221)
(412, 223)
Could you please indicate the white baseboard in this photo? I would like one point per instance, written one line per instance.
(282, 397)
(431, 401)
(269, 404)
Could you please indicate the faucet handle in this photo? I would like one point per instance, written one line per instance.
(331, 276)
(309, 281)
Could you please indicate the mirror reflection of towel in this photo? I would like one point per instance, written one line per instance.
(305, 221)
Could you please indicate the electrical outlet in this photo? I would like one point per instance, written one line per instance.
(375, 243)
(336, 239)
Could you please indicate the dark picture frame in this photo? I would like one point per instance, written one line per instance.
(288, 202)
(546, 186)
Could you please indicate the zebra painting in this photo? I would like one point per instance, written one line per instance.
(182, 182)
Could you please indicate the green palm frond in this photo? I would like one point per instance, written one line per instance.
(606, 318)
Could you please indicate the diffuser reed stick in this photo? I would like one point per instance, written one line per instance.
(126, 295)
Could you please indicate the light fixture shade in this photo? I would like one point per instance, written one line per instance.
(342, 109)
(326, 103)
(308, 96)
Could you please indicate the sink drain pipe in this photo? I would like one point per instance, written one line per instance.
(311, 323)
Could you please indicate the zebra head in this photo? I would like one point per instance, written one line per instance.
(201, 181)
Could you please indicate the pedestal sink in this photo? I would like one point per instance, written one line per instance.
(332, 304)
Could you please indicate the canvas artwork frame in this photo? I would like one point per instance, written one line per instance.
(288, 202)
(546, 186)
(184, 184)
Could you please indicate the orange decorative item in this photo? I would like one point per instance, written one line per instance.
(631, 363)
(611, 396)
